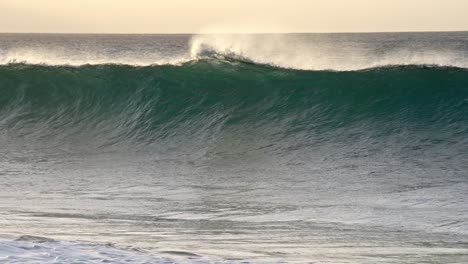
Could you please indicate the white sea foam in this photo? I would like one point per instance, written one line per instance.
(49, 251)
(33, 250)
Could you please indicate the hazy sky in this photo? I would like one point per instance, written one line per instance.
(175, 16)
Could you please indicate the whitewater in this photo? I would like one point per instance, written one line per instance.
(257, 148)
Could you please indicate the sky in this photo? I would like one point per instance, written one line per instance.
(231, 16)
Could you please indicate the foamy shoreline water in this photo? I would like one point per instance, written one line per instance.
(32, 249)
(41, 250)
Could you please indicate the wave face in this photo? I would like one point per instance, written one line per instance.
(103, 106)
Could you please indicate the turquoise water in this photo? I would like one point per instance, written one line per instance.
(234, 148)
(143, 105)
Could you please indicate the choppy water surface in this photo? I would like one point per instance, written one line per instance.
(334, 148)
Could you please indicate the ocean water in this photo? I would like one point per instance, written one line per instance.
(293, 148)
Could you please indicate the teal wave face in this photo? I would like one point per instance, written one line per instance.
(147, 104)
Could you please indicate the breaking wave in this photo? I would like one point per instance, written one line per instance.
(109, 105)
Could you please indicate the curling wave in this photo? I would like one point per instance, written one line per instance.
(106, 105)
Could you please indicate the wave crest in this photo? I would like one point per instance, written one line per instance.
(336, 52)
(43, 56)
(297, 52)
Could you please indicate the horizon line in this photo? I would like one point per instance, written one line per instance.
(247, 33)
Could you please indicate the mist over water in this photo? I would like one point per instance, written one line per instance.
(327, 148)
(339, 52)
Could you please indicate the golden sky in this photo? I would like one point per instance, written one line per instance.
(192, 16)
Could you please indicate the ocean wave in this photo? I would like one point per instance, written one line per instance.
(111, 105)
(238, 141)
